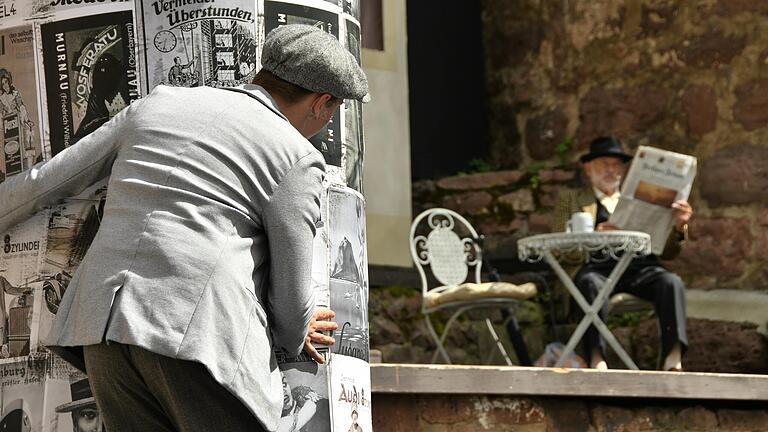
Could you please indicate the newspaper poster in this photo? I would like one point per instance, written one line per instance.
(196, 43)
(306, 404)
(20, 261)
(90, 73)
(351, 394)
(19, 110)
(72, 226)
(349, 276)
(34, 401)
(276, 14)
(45, 8)
(15, 12)
(348, 301)
(656, 178)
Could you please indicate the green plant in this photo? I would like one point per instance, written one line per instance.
(533, 169)
(562, 150)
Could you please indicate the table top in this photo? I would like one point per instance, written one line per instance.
(613, 243)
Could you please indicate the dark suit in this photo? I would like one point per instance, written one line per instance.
(645, 277)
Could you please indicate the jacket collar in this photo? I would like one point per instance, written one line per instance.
(261, 95)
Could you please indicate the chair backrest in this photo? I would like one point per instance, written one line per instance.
(436, 242)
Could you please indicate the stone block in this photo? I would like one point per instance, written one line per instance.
(520, 200)
(497, 411)
(543, 133)
(566, 415)
(445, 409)
(700, 106)
(697, 418)
(549, 194)
(609, 418)
(620, 112)
(711, 49)
(540, 223)
(495, 227)
(394, 413)
(718, 247)
(385, 331)
(657, 18)
(480, 181)
(751, 106)
(743, 420)
(469, 203)
(735, 175)
(556, 175)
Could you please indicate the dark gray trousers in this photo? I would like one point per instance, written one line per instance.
(137, 390)
(647, 279)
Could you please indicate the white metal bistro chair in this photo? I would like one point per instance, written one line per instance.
(443, 241)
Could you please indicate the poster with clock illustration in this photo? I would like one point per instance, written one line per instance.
(198, 44)
(89, 65)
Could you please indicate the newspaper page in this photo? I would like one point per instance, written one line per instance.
(190, 44)
(19, 108)
(90, 73)
(277, 14)
(655, 180)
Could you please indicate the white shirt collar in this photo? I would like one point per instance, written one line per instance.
(609, 202)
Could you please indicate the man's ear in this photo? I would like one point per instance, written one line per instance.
(319, 104)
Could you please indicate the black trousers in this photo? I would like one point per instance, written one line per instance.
(137, 390)
(644, 278)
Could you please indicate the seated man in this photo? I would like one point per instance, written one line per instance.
(604, 166)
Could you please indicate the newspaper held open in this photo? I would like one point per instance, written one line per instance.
(656, 179)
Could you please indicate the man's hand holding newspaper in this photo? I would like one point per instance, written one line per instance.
(654, 195)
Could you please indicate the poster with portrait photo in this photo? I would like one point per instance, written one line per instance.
(27, 395)
(19, 110)
(306, 406)
(351, 394)
(277, 14)
(90, 73)
(190, 44)
(353, 144)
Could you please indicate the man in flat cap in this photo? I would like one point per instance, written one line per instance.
(201, 266)
(604, 166)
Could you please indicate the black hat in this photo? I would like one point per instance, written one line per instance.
(605, 146)
(81, 397)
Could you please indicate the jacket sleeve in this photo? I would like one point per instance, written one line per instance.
(65, 175)
(290, 218)
(672, 247)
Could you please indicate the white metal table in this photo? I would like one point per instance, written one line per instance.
(621, 246)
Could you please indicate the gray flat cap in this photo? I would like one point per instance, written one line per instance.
(313, 59)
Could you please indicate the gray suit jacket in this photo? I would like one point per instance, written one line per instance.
(204, 250)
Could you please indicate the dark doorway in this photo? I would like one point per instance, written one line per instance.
(447, 87)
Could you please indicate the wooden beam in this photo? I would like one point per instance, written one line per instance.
(454, 379)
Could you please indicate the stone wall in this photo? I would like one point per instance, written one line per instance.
(685, 76)
(460, 413)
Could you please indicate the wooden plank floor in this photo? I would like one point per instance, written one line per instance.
(455, 379)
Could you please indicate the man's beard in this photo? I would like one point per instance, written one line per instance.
(605, 183)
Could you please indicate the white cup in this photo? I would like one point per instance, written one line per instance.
(580, 222)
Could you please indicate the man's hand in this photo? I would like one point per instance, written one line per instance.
(606, 226)
(319, 322)
(682, 214)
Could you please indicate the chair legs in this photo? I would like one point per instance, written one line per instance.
(440, 340)
(518, 343)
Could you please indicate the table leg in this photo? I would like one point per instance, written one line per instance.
(591, 311)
